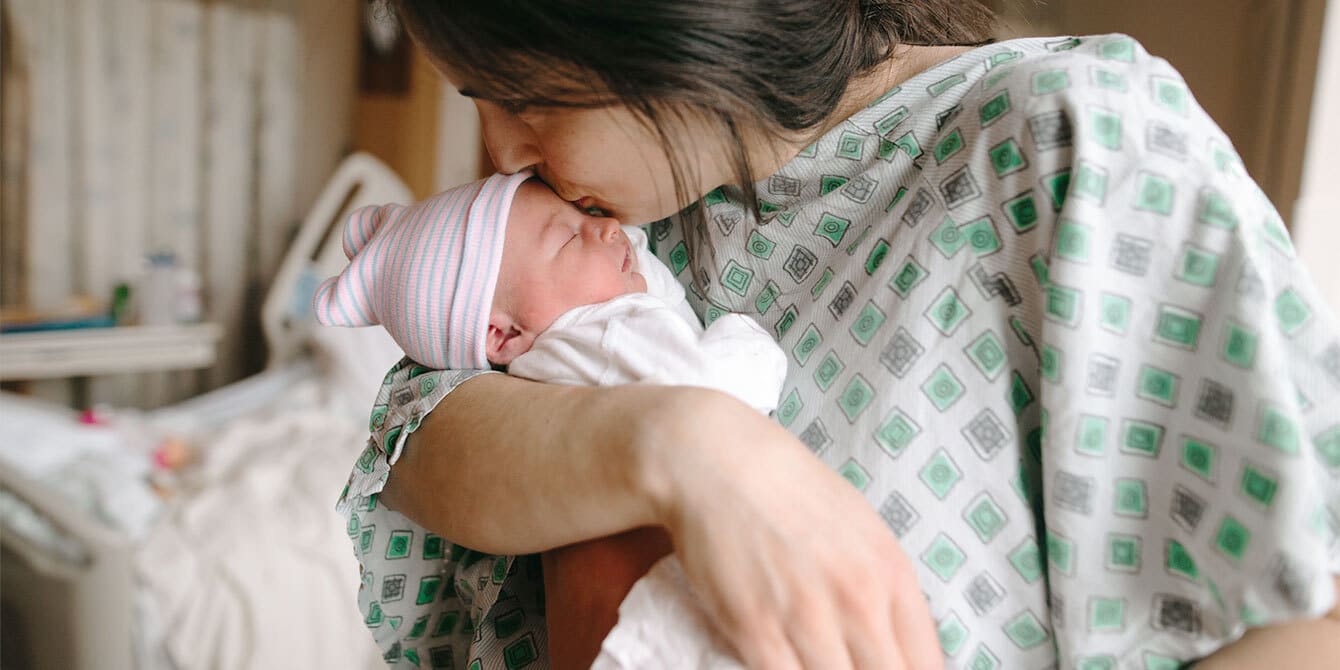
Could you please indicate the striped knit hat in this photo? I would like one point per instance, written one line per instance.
(426, 272)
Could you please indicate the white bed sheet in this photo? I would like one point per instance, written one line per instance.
(252, 567)
(248, 565)
(101, 470)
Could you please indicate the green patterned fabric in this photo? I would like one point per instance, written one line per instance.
(430, 603)
(1041, 317)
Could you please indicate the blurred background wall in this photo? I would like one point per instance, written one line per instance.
(200, 129)
(203, 130)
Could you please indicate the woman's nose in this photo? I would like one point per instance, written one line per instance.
(511, 144)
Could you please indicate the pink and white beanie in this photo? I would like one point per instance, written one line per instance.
(425, 272)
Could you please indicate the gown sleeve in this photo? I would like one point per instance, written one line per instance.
(427, 601)
(1187, 470)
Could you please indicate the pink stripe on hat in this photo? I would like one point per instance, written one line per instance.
(426, 272)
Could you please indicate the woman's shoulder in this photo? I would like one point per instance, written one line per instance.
(1113, 134)
(1117, 50)
(1039, 87)
(1097, 99)
(1112, 66)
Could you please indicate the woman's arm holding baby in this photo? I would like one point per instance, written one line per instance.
(494, 465)
(799, 571)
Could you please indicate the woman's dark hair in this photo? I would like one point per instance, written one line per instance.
(775, 67)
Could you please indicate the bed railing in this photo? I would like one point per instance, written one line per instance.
(316, 252)
(86, 597)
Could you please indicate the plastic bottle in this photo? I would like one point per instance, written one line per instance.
(189, 306)
(157, 290)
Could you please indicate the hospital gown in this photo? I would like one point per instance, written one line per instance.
(1040, 316)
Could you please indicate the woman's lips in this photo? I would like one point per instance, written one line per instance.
(627, 261)
(588, 204)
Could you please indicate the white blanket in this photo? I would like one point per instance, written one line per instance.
(251, 570)
(663, 625)
(655, 338)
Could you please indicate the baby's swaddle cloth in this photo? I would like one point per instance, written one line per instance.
(663, 625)
(655, 338)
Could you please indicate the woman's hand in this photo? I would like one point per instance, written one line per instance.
(787, 556)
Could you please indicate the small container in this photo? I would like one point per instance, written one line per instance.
(156, 297)
(189, 306)
(123, 305)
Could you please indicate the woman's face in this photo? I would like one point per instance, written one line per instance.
(601, 157)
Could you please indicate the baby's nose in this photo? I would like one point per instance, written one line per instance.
(605, 230)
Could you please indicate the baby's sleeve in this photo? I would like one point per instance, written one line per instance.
(425, 600)
(408, 393)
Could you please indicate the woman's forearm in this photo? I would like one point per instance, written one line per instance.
(1307, 644)
(506, 465)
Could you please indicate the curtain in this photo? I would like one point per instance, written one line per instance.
(174, 126)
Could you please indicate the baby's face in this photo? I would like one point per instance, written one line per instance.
(557, 257)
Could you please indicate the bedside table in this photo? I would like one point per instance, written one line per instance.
(97, 351)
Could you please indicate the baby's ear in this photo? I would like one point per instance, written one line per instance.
(505, 341)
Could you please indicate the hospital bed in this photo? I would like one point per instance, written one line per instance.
(246, 565)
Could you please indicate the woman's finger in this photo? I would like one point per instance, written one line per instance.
(874, 646)
(816, 635)
(914, 629)
(764, 647)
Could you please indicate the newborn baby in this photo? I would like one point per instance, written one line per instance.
(504, 272)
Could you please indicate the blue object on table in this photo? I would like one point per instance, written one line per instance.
(95, 321)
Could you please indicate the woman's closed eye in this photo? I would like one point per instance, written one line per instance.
(524, 110)
(508, 106)
(514, 107)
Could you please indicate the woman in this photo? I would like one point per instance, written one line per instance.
(1040, 321)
